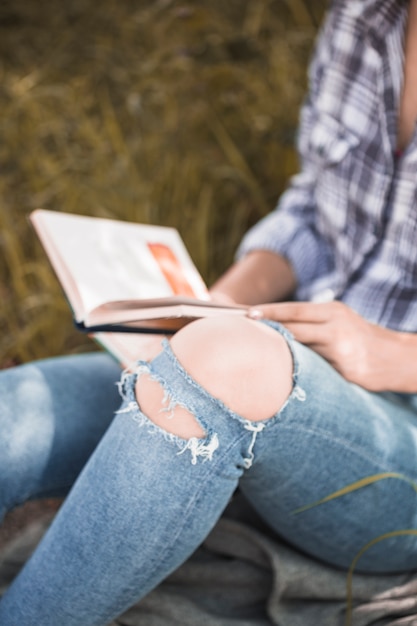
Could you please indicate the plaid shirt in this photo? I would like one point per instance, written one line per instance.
(348, 221)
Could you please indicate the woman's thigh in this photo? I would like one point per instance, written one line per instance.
(329, 435)
(53, 412)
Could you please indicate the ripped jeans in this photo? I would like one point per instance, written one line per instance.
(146, 499)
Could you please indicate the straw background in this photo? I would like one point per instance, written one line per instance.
(165, 112)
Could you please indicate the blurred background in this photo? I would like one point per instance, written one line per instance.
(159, 111)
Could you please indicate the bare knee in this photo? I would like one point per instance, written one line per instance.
(245, 364)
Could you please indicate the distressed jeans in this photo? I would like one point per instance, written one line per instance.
(141, 500)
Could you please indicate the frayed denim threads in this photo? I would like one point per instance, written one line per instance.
(180, 389)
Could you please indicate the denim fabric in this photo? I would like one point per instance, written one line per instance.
(52, 414)
(146, 499)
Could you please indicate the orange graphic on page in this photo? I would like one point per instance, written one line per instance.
(171, 269)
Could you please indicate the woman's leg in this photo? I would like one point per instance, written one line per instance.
(52, 415)
(327, 436)
(152, 490)
(164, 472)
(330, 435)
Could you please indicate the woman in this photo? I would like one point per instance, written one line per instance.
(227, 403)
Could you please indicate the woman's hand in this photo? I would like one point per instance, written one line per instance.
(371, 356)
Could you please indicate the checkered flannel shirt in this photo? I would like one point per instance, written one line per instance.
(348, 221)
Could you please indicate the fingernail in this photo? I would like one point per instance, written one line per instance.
(255, 314)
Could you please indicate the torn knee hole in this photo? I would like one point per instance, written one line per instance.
(160, 409)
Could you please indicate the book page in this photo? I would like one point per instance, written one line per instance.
(129, 348)
(111, 260)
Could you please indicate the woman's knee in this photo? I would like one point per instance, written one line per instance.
(245, 364)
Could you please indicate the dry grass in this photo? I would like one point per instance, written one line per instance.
(178, 113)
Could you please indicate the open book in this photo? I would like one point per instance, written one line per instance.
(123, 277)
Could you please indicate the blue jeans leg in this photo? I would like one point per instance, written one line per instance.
(146, 499)
(52, 415)
(143, 503)
(337, 435)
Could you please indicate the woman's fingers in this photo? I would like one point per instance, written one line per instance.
(286, 312)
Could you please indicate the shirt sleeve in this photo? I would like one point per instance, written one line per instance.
(290, 230)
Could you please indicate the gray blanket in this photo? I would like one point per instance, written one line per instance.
(245, 576)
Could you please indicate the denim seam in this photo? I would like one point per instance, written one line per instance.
(186, 516)
(161, 558)
(194, 503)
